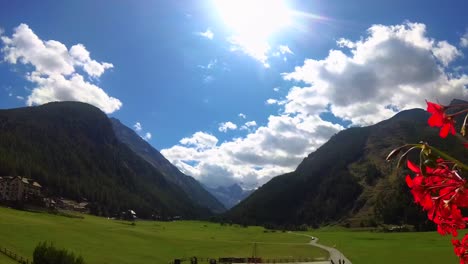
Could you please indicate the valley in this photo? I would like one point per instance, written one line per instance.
(100, 240)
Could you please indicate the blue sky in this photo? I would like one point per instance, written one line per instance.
(235, 91)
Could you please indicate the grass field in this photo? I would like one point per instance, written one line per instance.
(6, 260)
(363, 247)
(102, 241)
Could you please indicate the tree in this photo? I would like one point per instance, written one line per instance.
(47, 254)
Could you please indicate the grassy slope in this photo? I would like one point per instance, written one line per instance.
(100, 240)
(363, 247)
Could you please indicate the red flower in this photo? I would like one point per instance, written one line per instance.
(449, 219)
(461, 249)
(440, 119)
(440, 192)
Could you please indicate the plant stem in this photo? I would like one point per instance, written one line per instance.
(448, 157)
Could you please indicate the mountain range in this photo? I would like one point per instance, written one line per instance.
(229, 196)
(347, 180)
(192, 188)
(75, 151)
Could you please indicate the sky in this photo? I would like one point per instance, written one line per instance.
(235, 91)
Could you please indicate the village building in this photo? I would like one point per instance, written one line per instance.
(16, 188)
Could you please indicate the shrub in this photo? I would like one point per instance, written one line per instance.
(47, 254)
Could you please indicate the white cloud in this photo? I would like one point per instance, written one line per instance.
(81, 56)
(446, 52)
(243, 116)
(396, 66)
(251, 123)
(464, 40)
(54, 70)
(57, 87)
(224, 127)
(252, 46)
(21, 98)
(248, 125)
(200, 140)
(137, 126)
(276, 89)
(252, 160)
(285, 49)
(271, 101)
(147, 136)
(207, 34)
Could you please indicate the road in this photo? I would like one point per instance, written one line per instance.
(335, 255)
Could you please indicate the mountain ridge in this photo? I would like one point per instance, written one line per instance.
(347, 180)
(188, 184)
(71, 149)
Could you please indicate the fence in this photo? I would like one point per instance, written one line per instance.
(14, 256)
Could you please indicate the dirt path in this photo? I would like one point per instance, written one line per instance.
(335, 256)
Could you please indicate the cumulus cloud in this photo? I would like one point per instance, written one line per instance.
(258, 48)
(248, 125)
(283, 49)
(254, 159)
(81, 56)
(464, 40)
(394, 65)
(207, 34)
(243, 116)
(147, 136)
(137, 126)
(54, 70)
(362, 81)
(224, 127)
(271, 101)
(251, 124)
(200, 141)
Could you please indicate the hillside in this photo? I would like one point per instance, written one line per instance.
(348, 180)
(71, 149)
(192, 188)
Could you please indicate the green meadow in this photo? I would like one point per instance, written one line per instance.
(100, 240)
(6, 260)
(364, 247)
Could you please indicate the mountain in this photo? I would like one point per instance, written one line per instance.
(229, 195)
(72, 150)
(192, 188)
(347, 179)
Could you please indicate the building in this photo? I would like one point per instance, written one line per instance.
(16, 188)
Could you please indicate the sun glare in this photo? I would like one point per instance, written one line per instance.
(254, 17)
(253, 23)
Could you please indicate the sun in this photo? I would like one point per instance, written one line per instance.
(253, 23)
(261, 18)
